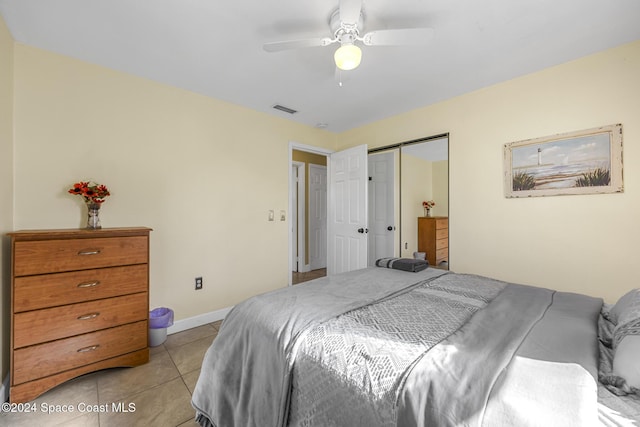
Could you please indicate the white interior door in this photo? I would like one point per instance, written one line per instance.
(347, 218)
(297, 217)
(382, 225)
(293, 217)
(317, 216)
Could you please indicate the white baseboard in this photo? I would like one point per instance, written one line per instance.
(199, 320)
(178, 326)
(304, 268)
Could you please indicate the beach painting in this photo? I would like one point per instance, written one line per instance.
(583, 162)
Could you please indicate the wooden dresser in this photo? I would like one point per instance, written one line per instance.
(433, 239)
(79, 303)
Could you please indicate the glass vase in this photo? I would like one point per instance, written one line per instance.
(93, 216)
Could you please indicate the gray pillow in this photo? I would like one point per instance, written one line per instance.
(627, 302)
(626, 338)
(626, 363)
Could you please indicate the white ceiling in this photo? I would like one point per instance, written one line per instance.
(433, 150)
(214, 47)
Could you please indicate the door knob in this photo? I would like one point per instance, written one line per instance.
(363, 230)
(391, 228)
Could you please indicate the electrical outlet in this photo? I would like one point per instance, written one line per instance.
(198, 283)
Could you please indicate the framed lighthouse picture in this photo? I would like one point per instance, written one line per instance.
(582, 162)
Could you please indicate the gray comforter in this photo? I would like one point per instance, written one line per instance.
(339, 349)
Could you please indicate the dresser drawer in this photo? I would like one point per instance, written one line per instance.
(51, 290)
(442, 233)
(442, 244)
(442, 255)
(442, 223)
(34, 327)
(52, 256)
(39, 361)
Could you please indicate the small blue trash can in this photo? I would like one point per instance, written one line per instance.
(159, 320)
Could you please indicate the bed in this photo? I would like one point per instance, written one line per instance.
(385, 347)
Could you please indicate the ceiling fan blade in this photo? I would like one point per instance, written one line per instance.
(296, 44)
(350, 11)
(400, 37)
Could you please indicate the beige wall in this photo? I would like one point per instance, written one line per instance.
(201, 172)
(576, 243)
(416, 187)
(6, 186)
(441, 187)
(204, 174)
(421, 180)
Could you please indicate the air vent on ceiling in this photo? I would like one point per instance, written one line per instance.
(285, 109)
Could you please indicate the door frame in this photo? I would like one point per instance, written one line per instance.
(310, 149)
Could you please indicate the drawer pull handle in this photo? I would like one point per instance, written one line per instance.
(89, 316)
(90, 348)
(89, 252)
(89, 284)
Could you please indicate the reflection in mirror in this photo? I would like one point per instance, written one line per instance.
(424, 176)
(384, 205)
(401, 177)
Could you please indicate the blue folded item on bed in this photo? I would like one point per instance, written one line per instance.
(404, 264)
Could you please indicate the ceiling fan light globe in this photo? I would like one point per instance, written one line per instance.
(348, 57)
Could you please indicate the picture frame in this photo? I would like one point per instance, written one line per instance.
(581, 162)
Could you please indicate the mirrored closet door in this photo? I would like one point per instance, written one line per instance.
(401, 178)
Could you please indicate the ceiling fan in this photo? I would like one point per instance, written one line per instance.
(346, 23)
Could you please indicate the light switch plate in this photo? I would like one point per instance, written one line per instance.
(271, 215)
(283, 216)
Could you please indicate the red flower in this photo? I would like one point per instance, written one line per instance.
(90, 191)
(102, 189)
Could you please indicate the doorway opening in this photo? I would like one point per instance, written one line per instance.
(308, 207)
(338, 229)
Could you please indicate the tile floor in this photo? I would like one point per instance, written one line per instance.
(159, 392)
